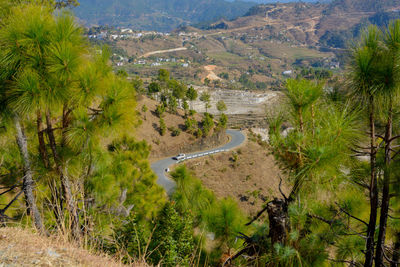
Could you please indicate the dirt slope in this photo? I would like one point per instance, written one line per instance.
(167, 145)
(251, 179)
(19, 247)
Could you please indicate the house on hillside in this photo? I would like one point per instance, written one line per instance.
(287, 72)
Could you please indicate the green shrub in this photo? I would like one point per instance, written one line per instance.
(160, 109)
(163, 127)
(172, 242)
(207, 123)
(174, 131)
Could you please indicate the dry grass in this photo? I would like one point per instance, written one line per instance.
(21, 247)
(251, 180)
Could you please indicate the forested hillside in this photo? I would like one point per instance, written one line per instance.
(157, 15)
(72, 167)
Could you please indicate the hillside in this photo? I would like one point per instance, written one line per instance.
(157, 14)
(168, 145)
(20, 247)
(248, 174)
(327, 24)
(253, 51)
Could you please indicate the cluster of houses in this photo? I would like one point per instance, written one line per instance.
(160, 61)
(121, 61)
(124, 33)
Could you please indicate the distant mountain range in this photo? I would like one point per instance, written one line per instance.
(161, 15)
(334, 20)
(332, 24)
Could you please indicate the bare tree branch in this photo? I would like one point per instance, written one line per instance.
(258, 214)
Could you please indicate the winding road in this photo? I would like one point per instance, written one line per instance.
(159, 167)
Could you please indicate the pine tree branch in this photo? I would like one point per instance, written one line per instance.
(351, 216)
(322, 219)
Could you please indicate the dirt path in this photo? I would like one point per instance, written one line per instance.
(163, 51)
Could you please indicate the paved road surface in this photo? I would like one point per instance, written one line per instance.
(237, 138)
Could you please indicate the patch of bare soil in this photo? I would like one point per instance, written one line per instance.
(248, 174)
(19, 247)
(211, 74)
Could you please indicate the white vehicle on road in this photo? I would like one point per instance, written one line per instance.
(179, 157)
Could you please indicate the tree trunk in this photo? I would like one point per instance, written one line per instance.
(28, 182)
(373, 193)
(65, 183)
(278, 220)
(385, 192)
(396, 252)
(65, 123)
(42, 145)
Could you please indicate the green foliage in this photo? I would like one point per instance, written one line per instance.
(178, 89)
(175, 131)
(154, 87)
(172, 104)
(222, 217)
(163, 75)
(160, 109)
(190, 125)
(205, 97)
(207, 124)
(132, 237)
(168, 239)
(163, 127)
(302, 94)
(222, 122)
(122, 73)
(226, 221)
(191, 94)
(221, 106)
(47, 68)
(137, 84)
(126, 164)
(172, 242)
(185, 106)
(315, 74)
(224, 75)
(199, 133)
